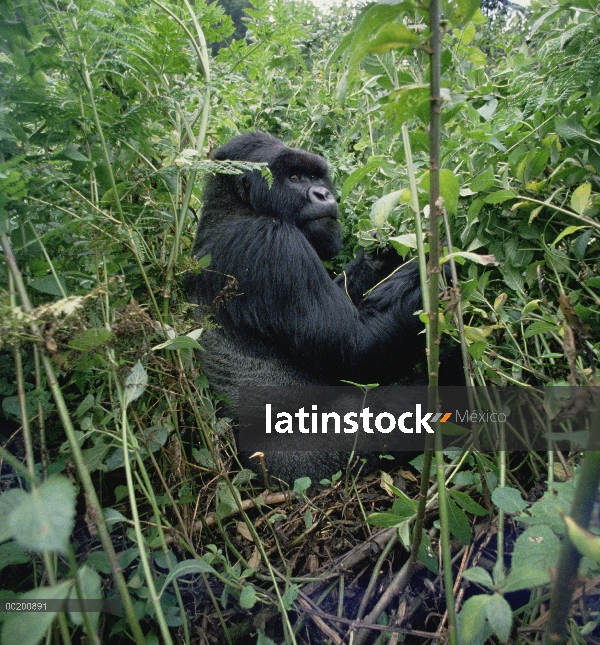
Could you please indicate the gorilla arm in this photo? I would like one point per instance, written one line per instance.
(288, 300)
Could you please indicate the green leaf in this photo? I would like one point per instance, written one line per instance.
(289, 597)
(404, 103)
(48, 284)
(264, 640)
(581, 197)
(581, 242)
(375, 30)
(569, 129)
(403, 501)
(112, 516)
(31, 630)
(449, 189)
(204, 261)
(301, 485)
(474, 257)
(480, 576)
(568, 231)
(181, 342)
(479, 59)
(483, 182)
(383, 207)
(387, 520)
(468, 504)
(540, 327)
(477, 349)
(472, 618)
(187, 567)
(44, 519)
(94, 456)
(392, 35)
(458, 523)
(12, 553)
(135, 383)
(535, 553)
(427, 555)
(508, 499)
(71, 152)
(9, 502)
(585, 542)
(540, 21)
(360, 173)
(366, 23)
(248, 597)
(532, 164)
(500, 196)
(90, 584)
(90, 339)
(499, 615)
(404, 242)
(459, 12)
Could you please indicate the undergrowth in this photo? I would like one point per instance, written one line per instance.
(118, 477)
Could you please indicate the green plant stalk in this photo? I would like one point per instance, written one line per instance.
(433, 272)
(502, 484)
(84, 475)
(460, 323)
(90, 632)
(202, 53)
(570, 557)
(30, 460)
(48, 260)
(427, 457)
(40, 409)
(417, 219)
(581, 218)
(126, 436)
(445, 539)
(87, 82)
(146, 486)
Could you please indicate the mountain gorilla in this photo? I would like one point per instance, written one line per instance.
(280, 319)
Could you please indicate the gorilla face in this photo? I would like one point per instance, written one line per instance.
(302, 195)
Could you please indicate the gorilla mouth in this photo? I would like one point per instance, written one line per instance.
(333, 216)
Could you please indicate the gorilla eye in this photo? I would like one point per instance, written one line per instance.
(294, 178)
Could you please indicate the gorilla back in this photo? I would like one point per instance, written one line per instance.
(279, 317)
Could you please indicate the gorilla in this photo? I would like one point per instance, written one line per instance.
(278, 317)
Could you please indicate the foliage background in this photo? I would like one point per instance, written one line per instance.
(107, 117)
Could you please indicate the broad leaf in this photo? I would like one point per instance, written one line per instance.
(44, 518)
(581, 197)
(135, 383)
(19, 630)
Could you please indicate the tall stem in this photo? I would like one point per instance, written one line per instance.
(88, 486)
(433, 274)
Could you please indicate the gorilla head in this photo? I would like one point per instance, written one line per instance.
(301, 193)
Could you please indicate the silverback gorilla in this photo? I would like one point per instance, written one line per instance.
(279, 317)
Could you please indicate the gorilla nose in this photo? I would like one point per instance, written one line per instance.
(320, 195)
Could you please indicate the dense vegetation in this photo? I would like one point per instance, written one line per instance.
(108, 112)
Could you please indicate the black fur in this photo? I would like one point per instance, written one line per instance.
(280, 318)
